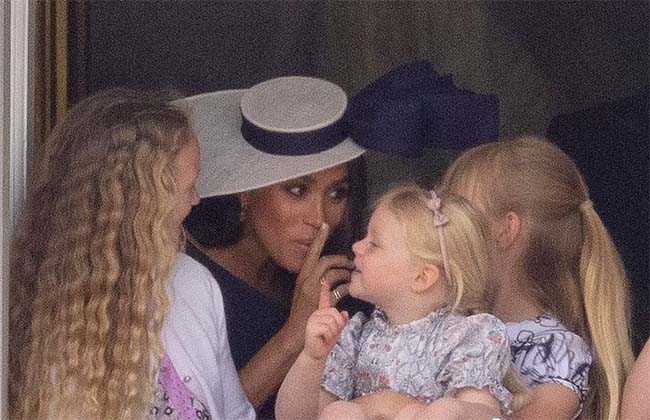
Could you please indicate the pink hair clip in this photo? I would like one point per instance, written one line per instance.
(435, 204)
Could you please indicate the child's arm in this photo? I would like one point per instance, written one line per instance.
(469, 404)
(549, 402)
(325, 398)
(384, 404)
(300, 394)
(298, 397)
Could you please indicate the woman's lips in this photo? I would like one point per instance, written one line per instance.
(303, 247)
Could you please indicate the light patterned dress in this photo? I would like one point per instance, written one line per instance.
(427, 359)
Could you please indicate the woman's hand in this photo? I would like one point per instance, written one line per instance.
(329, 271)
(263, 374)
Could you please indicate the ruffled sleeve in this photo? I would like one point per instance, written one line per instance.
(480, 358)
(338, 375)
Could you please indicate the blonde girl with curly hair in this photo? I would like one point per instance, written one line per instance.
(94, 250)
(424, 264)
(560, 284)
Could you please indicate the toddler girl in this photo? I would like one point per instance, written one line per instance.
(423, 264)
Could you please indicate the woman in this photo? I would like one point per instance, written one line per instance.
(275, 217)
(91, 261)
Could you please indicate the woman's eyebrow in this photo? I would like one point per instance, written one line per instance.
(303, 179)
(344, 180)
(310, 179)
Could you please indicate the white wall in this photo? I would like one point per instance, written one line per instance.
(16, 131)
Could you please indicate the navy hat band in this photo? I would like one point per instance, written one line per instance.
(295, 144)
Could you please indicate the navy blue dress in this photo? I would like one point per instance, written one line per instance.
(251, 318)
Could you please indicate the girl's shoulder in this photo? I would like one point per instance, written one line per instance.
(545, 351)
(473, 324)
(473, 328)
(549, 332)
(190, 270)
(354, 327)
(192, 281)
(358, 320)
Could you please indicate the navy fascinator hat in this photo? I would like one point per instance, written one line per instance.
(412, 108)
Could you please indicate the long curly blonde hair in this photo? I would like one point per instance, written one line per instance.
(91, 259)
(570, 263)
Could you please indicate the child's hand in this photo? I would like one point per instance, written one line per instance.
(324, 327)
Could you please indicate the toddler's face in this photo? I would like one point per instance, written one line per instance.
(384, 265)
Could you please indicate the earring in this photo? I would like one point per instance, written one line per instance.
(242, 213)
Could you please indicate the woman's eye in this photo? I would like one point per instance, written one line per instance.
(340, 193)
(296, 190)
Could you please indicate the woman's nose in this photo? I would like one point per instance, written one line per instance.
(315, 213)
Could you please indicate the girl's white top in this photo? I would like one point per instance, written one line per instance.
(195, 339)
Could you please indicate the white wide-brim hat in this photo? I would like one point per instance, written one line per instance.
(279, 115)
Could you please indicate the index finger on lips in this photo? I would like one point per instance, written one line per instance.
(313, 254)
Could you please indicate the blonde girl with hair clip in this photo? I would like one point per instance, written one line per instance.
(424, 264)
(90, 265)
(560, 284)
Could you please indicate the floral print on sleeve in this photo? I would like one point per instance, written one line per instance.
(480, 358)
(426, 359)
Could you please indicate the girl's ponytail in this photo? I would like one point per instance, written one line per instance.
(605, 292)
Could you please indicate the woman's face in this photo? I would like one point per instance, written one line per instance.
(284, 218)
